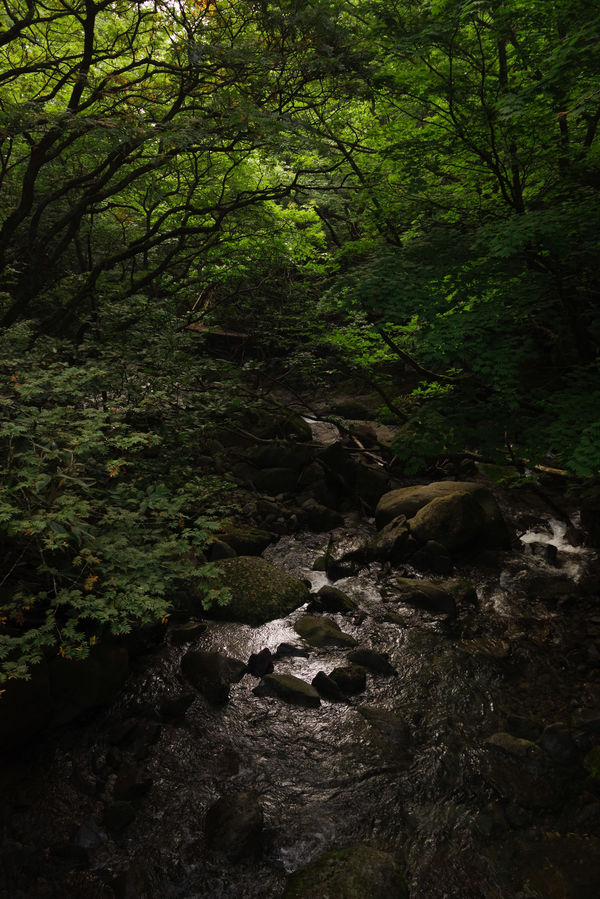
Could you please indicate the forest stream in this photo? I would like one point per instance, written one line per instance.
(461, 757)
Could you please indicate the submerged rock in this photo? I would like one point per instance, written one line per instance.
(390, 724)
(260, 663)
(357, 872)
(289, 688)
(212, 673)
(234, 825)
(322, 632)
(259, 591)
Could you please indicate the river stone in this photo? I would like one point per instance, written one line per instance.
(330, 599)
(515, 746)
(433, 557)
(234, 825)
(346, 553)
(259, 591)
(218, 550)
(260, 663)
(356, 872)
(289, 688)
(391, 543)
(245, 540)
(322, 632)
(288, 650)
(211, 673)
(410, 501)
(424, 595)
(455, 521)
(318, 517)
(327, 688)
(559, 866)
(351, 679)
(374, 661)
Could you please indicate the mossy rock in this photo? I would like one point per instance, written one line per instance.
(322, 632)
(353, 873)
(289, 688)
(259, 591)
(245, 540)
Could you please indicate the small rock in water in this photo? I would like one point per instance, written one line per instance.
(212, 673)
(288, 650)
(289, 688)
(187, 632)
(260, 663)
(351, 679)
(322, 632)
(374, 661)
(330, 599)
(327, 688)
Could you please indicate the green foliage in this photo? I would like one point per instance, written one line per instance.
(103, 523)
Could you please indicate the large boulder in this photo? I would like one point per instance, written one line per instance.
(259, 591)
(352, 873)
(244, 540)
(455, 514)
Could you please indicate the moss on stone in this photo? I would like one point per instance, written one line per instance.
(351, 873)
(259, 591)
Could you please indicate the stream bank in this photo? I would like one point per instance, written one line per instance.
(466, 767)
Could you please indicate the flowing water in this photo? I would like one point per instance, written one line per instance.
(329, 777)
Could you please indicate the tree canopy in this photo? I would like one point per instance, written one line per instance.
(407, 188)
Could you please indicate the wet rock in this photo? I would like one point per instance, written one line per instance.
(245, 540)
(327, 688)
(330, 599)
(433, 557)
(259, 591)
(186, 633)
(118, 815)
(370, 483)
(456, 524)
(374, 661)
(456, 521)
(318, 517)
(289, 688)
(320, 563)
(212, 673)
(234, 825)
(346, 554)
(288, 650)
(521, 779)
(424, 595)
(174, 708)
(260, 663)
(219, 549)
(550, 588)
(515, 746)
(546, 551)
(351, 679)
(390, 724)
(391, 543)
(322, 632)
(353, 873)
(557, 742)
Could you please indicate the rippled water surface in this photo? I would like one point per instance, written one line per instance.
(326, 777)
